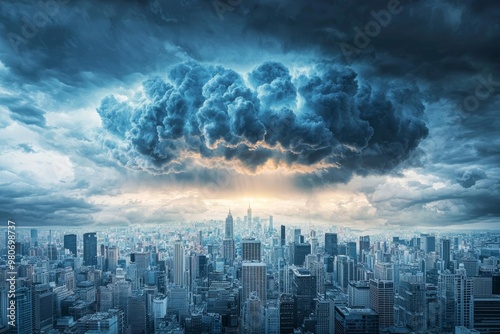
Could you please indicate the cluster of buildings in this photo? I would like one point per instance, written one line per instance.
(246, 276)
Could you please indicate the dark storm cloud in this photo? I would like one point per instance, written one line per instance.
(470, 177)
(210, 112)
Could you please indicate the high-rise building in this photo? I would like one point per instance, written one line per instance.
(272, 318)
(24, 314)
(325, 313)
(296, 235)
(179, 263)
(486, 315)
(382, 301)
(384, 271)
(283, 235)
(410, 303)
(229, 232)
(250, 249)
(446, 300)
(253, 315)
(364, 245)
(253, 278)
(351, 250)
(43, 307)
(249, 218)
(331, 244)
(89, 249)
(304, 292)
(356, 320)
(445, 253)
(137, 312)
(298, 253)
(34, 238)
(113, 254)
(287, 313)
(228, 251)
(359, 294)
(428, 243)
(70, 243)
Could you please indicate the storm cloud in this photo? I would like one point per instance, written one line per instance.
(328, 118)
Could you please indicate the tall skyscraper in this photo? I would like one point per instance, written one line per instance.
(179, 263)
(70, 243)
(249, 218)
(229, 233)
(445, 252)
(364, 245)
(250, 249)
(382, 301)
(90, 249)
(113, 254)
(283, 235)
(253, 276)
(34, 237)
(24, 314)
(355, 320)
(296, 235)
(351, 250)
(304, 292)
(271, 227)
(331, 244)
(410, 303)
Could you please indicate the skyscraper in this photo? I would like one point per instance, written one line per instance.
(364, 245)
(355, 320)
(229, 233)
(90, 249)
(70, 243)
(179, 263)
(382, 301)
(250, 249)
(113, 253)
(410, 303)
(445, 252)
(253, 276)
(249, 218)
(304, 292)
(331, 244)
(283, 235)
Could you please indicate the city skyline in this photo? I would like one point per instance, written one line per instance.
(369, 115)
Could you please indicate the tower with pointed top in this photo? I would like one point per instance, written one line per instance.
(228, 242)
(249, 216)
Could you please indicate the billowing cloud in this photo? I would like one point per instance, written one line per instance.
(205, 114)
(470, 177)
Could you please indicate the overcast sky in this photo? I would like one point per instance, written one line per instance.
(355, 113)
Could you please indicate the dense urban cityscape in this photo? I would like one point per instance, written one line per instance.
(250, 275)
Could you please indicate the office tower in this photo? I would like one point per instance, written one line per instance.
(178, 301)
(345, 271)
(410, 303)
(331, 244)
(137, 312)
(325, 313)
(446, 300)
(471, 266)
(364, 245)
(384, 271)
(296, 235)
(253, 278)
(359, 294)
(382, 301)
(304, 292)
(287, 313)
(249, 218)
(356, 320)
(159, 309)
(428, 243)
(445, 253)
(298, 253)
(229, 232)
(463, 293)
(486, 314)
(351, 250)
(52, 252)
(179, 263)
(34, 238)
(70, 243)
(253, 315)
(24, 314)
(283, 235)
(318, 269)
(43, 307)
(89, 249)
(106, 322)
(113, 254)
(200, 238)
(272, 318)
(142, 262)
(122, 290)
(228, 251)
(250, 250)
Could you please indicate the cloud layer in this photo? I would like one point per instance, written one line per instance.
(325, 119)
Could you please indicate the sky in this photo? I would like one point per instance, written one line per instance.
(366, 114)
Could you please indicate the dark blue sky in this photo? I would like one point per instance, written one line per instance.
(367, 114)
